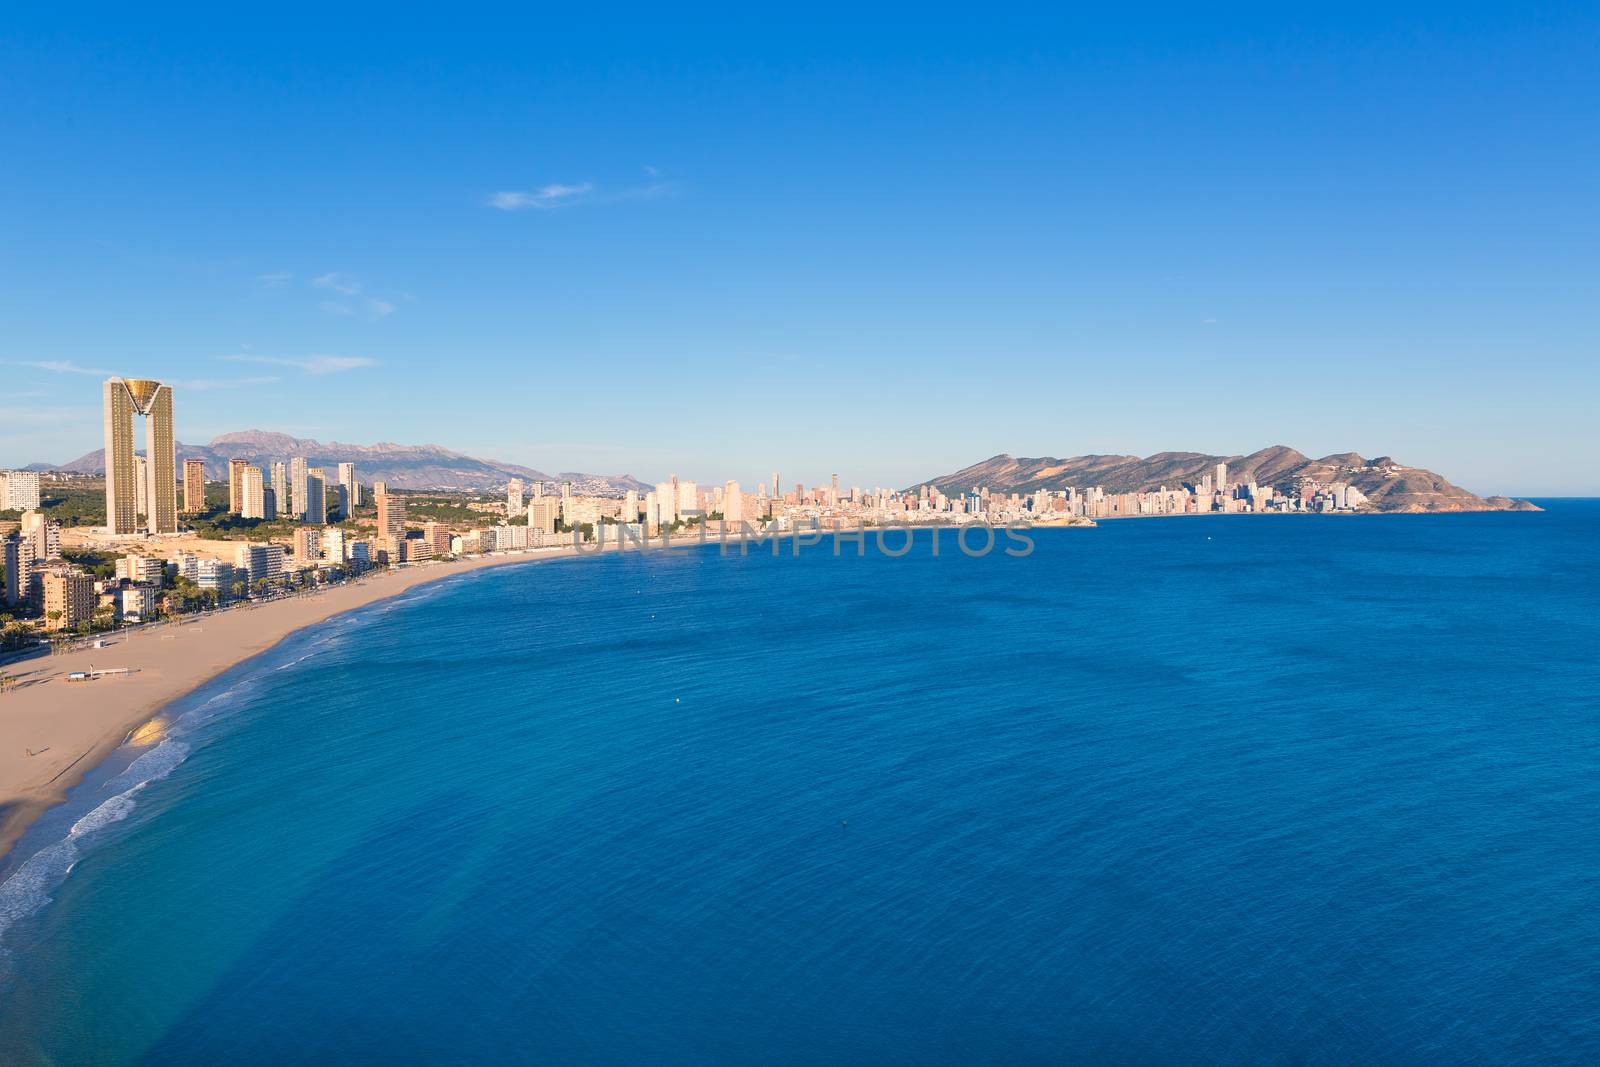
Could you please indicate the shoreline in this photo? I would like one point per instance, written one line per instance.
(54, 732)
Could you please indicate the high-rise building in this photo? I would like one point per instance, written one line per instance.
(43, 533)
(269, 504)
(391, 512)
(236, 469)
(215, 575)
(732, 503)
(1222, 477)
(21, 570)
(297, 489)
(316, 511)
(630, 506)
(437, 537)
(68, 598)
(141, 569)
(19, 490)
(194, 486)
(258, 562)
(514, 497)
(253, 494)
(280, 483)
(333, 544)
(542, 515)
(352, 488)
(125, 398)
(688, 498)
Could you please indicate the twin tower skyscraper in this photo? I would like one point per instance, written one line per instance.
(140, 487)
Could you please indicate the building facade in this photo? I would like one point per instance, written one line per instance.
(194, 486)
(352, 488)
(68, 599)
(125, 398)
(19, 490)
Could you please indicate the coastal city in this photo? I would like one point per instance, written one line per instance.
(172, 542)
(1059, 534)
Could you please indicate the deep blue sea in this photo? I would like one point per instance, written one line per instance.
(1212, 790)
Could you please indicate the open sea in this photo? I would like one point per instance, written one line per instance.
(1319, 790)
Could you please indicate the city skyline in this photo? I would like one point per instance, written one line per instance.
(891, 250)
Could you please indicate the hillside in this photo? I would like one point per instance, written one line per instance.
(402, 466)
(1389, 486)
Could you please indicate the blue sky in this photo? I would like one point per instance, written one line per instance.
(884, 245)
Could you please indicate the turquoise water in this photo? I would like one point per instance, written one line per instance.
(1317, 790)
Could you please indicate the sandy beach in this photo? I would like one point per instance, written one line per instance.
(52, 731)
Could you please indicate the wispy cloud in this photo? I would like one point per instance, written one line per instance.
(206, 385)
(337, 282)
(58, 366)
(370, 308)
(543, 198)
(274, 279)
(315, 364)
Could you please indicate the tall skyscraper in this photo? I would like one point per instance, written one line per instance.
(732, 504)
(125, 398)
(297, 489)
(391, 512)
(253, 491)
(194, 486)
(514, 497)
(236, 469)
(316, 497)
(1222, 477)
(280, 484)
(352, 488)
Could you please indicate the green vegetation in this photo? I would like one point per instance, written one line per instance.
(449, 509)
(99, 564)
(80, 502)
(14, 634)
(217, 524)
(185, 597)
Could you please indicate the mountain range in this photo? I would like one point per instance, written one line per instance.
(1388, 485)
(401, 466)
